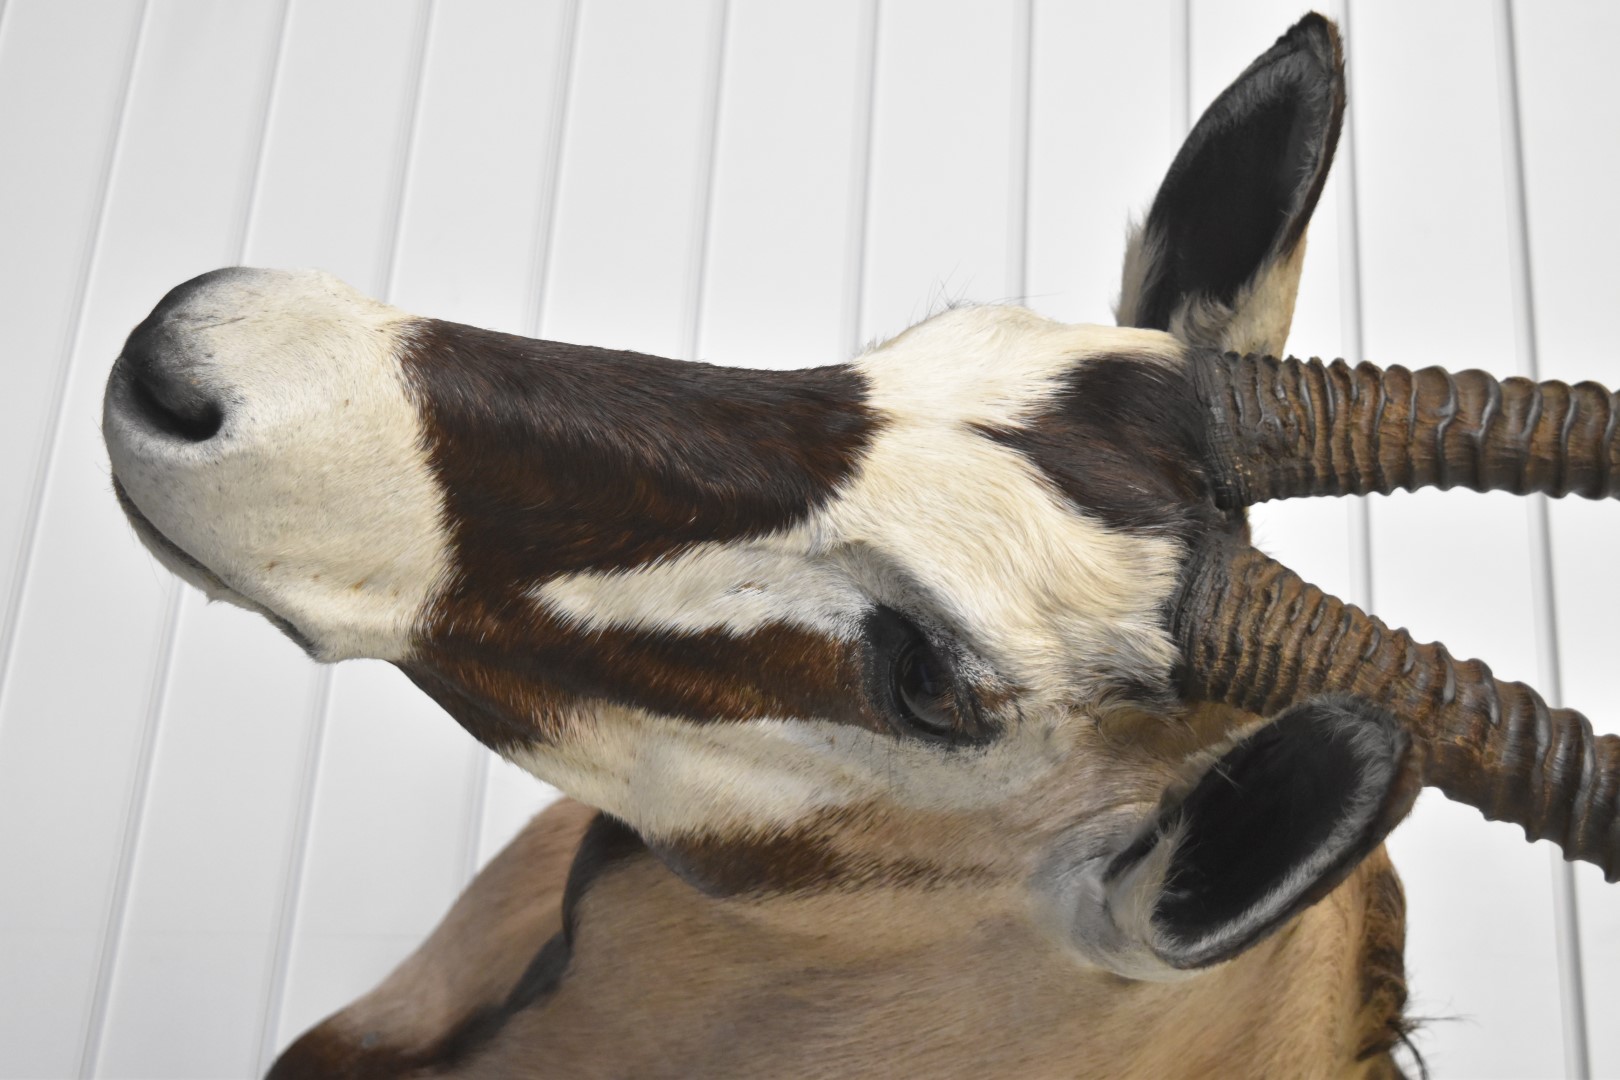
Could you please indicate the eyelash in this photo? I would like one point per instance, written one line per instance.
(922, 690)
(926, 698)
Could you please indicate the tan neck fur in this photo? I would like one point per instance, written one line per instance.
(667, 982)
(664, 981)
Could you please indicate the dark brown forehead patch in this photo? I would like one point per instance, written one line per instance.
(1122, 440)
(558, 458)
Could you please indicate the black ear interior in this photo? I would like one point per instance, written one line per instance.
(1244, 185)
(1275, 825)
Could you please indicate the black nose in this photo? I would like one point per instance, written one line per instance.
(161, 393)
(164, 392)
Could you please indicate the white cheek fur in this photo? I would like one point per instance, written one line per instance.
(671, 778)
(735, 587)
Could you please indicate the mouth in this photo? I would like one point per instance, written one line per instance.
(171, 554)
(189, 569)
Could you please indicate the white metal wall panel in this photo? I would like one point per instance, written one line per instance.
(633, 193)
(62, 91)
(943, 164)
(1436, 289)
(172, 208)
(1313, 536)
(63, 78)
(476, 211)
(213, 842)
(334, 176)
(1571, 117)
(783, 244)
(192, 934)
(1091, 169)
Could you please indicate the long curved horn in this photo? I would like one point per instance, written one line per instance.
(1256, 636)
(1283, 428)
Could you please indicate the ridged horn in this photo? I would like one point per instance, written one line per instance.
(1254, 635)
(1285, 428)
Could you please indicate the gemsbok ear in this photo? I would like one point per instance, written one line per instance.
(1274, 825)
(1217, 261)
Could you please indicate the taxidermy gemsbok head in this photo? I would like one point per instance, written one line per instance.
(940, 717)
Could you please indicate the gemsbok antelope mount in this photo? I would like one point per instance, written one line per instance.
(934, 714)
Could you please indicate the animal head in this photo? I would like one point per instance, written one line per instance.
(973, 610)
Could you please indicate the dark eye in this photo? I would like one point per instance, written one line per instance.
(924, 693)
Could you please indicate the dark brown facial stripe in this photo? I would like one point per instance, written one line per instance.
(559, 458)
(805, 860)
(516, 681)
(1123, 441)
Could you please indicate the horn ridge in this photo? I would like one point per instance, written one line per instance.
(1256, 636)
(1280, 429)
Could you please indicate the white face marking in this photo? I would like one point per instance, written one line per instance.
(315, 500)
(1055, 598)
(1052, 597)
(734, 587)
(672, 778)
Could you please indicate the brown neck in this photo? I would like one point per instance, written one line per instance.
(656, 979)
(952, 982)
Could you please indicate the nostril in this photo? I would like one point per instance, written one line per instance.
(155, 382)
(173, 406)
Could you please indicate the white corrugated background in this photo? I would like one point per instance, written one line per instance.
(206, 842)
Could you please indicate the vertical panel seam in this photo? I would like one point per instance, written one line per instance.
(411, 128)
(535, 307)
(287, 912)
(135, 797)
(1351, 325)
(1566, 922)
(47, 449)
(860, 211)
(111, 950)
(544, 246)
(697, 273)
(298, 857)
(5, 9)
(112, 933)
(477, 799)
(1023, 93)
(1181, 95)
(250, 208)
(269, 1013)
